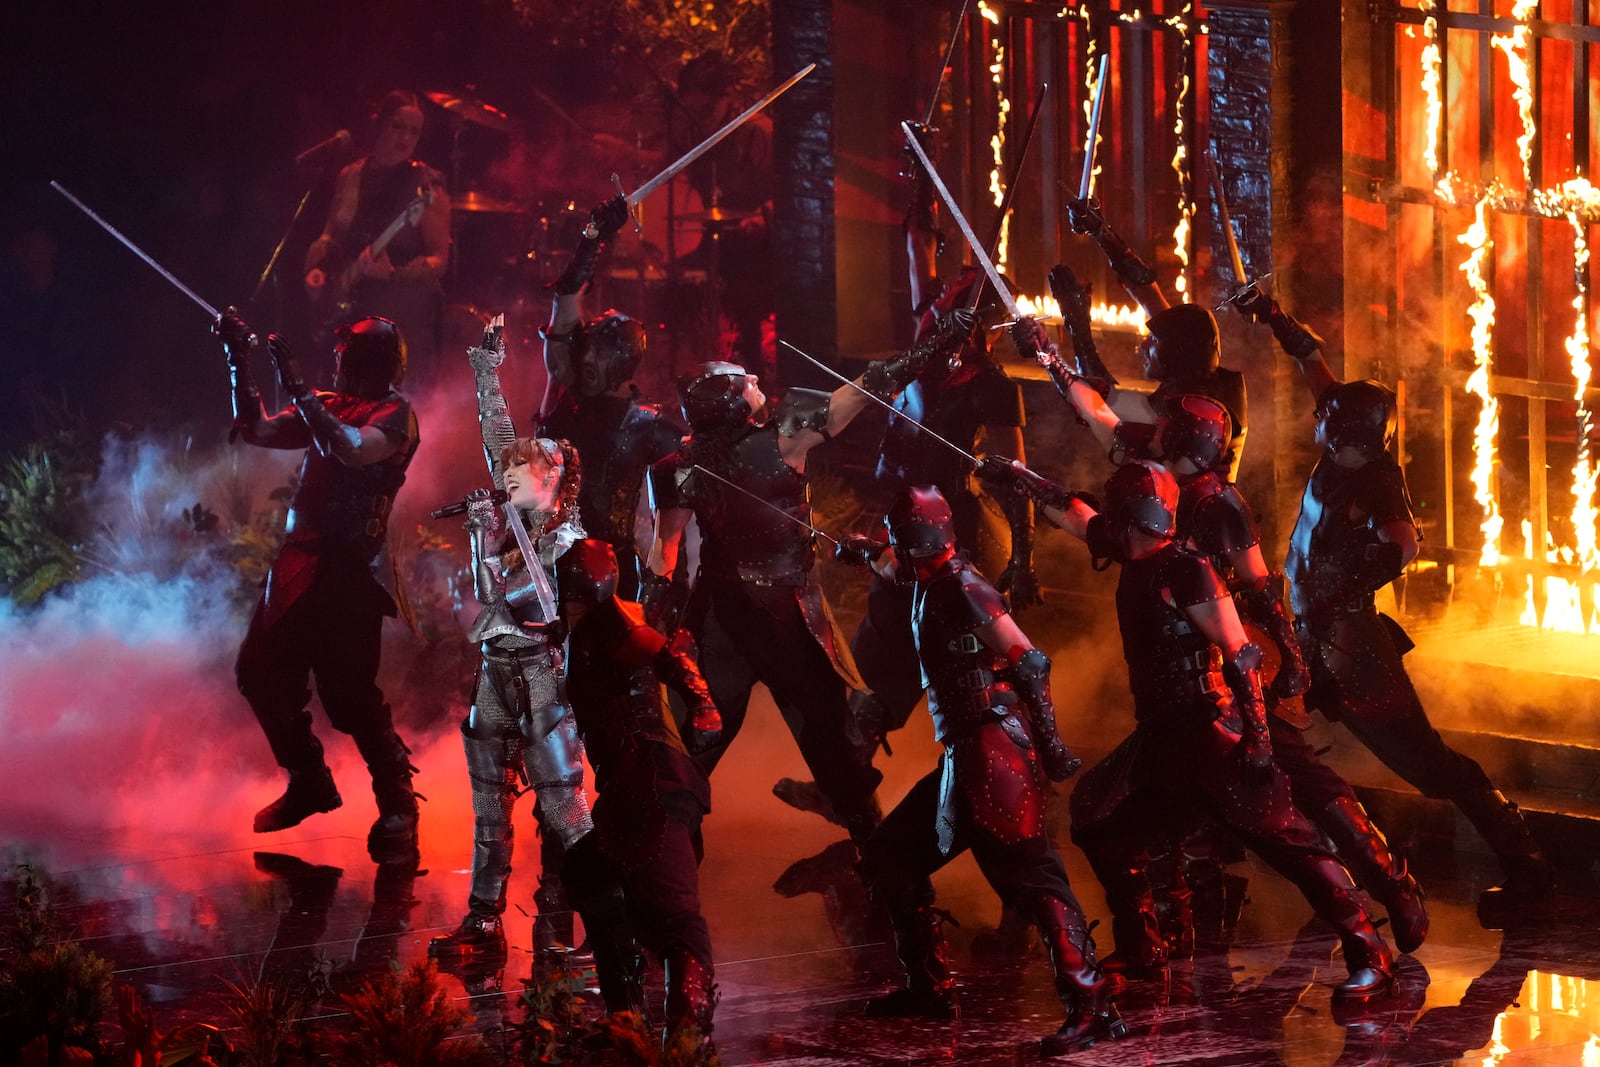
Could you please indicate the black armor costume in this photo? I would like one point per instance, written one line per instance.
(636, 873)
(757, 611)
(1336, 562)
(997, 724)
(589, 402)
(321, 609)
(1201, 739)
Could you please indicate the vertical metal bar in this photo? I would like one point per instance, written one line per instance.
(1134, 124)
(1538, 451)
(1047, 45)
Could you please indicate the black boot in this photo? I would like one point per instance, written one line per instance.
(1091, 1014)
(479, 937)
(1366, 851)
(309, 792)
(805, 796)
(930, 991)
(552, 923)
(1332, 894)
(393, 837)
(1500, 822)
(691, 999)
(618, 964)
(1141, 951)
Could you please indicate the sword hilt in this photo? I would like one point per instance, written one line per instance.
(633, 207)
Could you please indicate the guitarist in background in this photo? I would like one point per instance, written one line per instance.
(350, 273)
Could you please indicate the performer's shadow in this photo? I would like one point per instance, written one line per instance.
(857, 925)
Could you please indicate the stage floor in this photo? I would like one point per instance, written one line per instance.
(178, 895)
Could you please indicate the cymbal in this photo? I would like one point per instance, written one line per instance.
(472, 109)
(478, 202)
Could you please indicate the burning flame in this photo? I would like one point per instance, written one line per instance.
(1116, 318)
(1180, 154)
(1432, 80)
(1483, 438)
(997, 143)
(1515, 46)
(1584, 474)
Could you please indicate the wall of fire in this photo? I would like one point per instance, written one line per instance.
(1469, 142)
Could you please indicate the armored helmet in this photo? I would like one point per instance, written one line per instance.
(371, 358)
(1183, 345)
(1361, 414)
(1198, 429)
(614, 343)
(1143, 495)
(713, 398)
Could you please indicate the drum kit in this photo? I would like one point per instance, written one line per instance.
(505, 250)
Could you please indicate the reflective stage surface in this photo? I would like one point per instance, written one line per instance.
(179, 896)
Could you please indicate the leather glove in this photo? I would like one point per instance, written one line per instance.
(1083, 216)
(859, 550)
(289, 376)
(1255, 752)
(1020, 583)
(1254, 304)
(1033, 342)
(607, 218)
(236, 336)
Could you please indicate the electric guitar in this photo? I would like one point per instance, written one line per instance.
(332, 304)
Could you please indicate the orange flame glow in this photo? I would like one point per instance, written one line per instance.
(1584, 474)
(1180, 154)
(1515, 46)
(997, 143)
(1432, 79)
(1484, 450)
(1114, 318)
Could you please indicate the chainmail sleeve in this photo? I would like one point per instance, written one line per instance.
(494, 418)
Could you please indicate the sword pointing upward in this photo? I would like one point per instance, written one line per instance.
(1242, 284)
(944, 67)
(1086, 183)
(136, 250)
(711, 142)
(968, 456)
(1006, 299)
(764, 502)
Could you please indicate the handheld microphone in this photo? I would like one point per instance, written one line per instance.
(460, 507)
(338, 140)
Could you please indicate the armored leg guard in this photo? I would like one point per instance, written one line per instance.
(1502, 825)
(491, 767)
(393, 837)
(1091, 1014)
(552, 925)
(1367, 852)
(930, 990)
(691, 998)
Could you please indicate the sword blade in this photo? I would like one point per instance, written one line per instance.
(711, 142)
(530, 558)
(763, 502)
(982, 256)
(814, 361)
(1221, 200)
(1086, 183)
(949, 53)
(136, 250)
(1011, 185)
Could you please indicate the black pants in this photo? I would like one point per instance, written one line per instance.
(660, 883)
(1358, 678)
(899, 857)
(749, 634)
(332, 634)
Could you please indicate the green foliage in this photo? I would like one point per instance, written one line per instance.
(42, 516)
(49, 988)
(668, 31)
(407, 1020)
